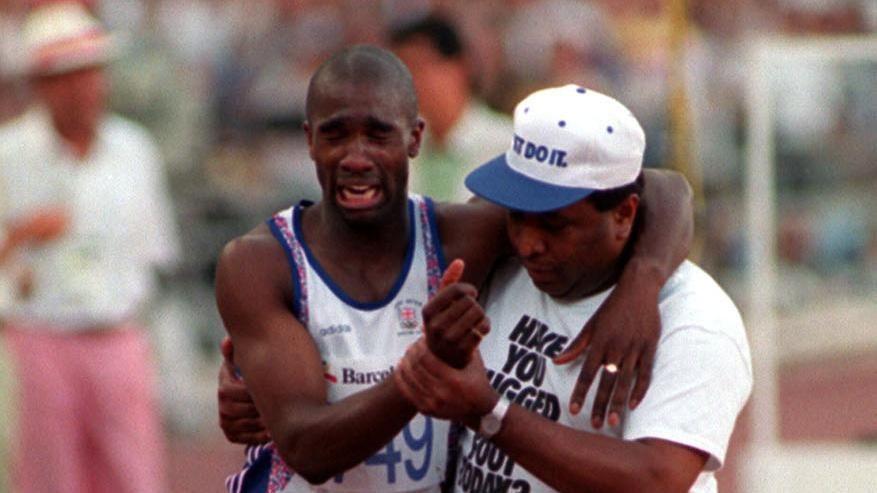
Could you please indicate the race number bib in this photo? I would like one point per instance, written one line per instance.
(413, 460)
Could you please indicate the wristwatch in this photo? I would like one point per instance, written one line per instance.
(492, 421)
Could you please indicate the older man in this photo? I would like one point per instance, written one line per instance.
(571, 221)
(87, 218)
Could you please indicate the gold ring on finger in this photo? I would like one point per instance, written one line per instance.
(610, 368)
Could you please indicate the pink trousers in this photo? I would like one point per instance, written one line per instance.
(88, 416)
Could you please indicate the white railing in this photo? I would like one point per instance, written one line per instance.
(761, 316)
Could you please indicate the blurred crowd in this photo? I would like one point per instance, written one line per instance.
(220, 84)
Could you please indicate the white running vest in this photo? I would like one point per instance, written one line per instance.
(360, 344)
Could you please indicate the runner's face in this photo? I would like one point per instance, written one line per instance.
(571, 252)
(360, 138)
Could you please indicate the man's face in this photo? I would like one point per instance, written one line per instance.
(436, 78)
(574, 251)
(360, 137)
(76, 100)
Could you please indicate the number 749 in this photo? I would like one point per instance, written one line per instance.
(390, 457)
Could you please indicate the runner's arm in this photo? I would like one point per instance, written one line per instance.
(284, 372)
(626, 328)
(476, 233)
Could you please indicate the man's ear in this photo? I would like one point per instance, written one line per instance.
(309, 134)
(624, 215)
(416, 137)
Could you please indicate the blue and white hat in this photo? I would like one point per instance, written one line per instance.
(569, 142)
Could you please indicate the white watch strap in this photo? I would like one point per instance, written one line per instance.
(492, 421)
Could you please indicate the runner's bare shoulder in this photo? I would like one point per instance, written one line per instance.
(252, 270)
(475, 232)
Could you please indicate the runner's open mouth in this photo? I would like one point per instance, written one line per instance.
(359, 196)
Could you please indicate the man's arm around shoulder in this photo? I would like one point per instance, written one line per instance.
(476, 233)
(283, 368)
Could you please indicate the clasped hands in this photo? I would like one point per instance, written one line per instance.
(443, 374)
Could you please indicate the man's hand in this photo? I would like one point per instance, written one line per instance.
(454, 322)
(238, 416)
(624, 332)
(441, 391)
(42, 226)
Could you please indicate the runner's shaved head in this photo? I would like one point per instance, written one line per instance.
(364, 64)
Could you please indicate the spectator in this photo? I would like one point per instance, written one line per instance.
(461, 131)
(87, 214)
(10, 105)
(672, 440)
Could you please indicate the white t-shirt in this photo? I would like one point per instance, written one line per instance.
(701, 379)
(121, 226)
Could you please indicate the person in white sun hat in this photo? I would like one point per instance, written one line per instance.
(571, 183)
(86, 215)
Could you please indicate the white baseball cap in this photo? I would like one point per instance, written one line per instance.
(569, 142)
(63, 37)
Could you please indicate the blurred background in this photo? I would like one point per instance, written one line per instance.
(220, 84)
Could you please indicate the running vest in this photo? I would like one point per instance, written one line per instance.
(360, 343)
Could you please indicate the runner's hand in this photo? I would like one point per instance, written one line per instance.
(454, 322)
(441, 391)
(624, 332)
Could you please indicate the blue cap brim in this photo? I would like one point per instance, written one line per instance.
(496, 182)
